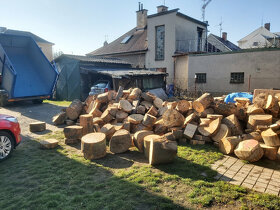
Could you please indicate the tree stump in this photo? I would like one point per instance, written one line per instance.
(86, 121)
(249, 150)
(73, 132)
(172, 118)
(120, 141)
(211, 129)
(74, 110)
(147, 140)
(135, 118)
(269, 152)
(270, 138)
(233, 124)
(162, 152)
(139, 139)
(223, 132)
(59, 119)
(158, 103)
(203, 102)
(37, 127)
(255, 120)
(125, 106)
(48, 144)
(183, 106)
(149, 120)
(93, 145)
(153, 111)
(228, 144)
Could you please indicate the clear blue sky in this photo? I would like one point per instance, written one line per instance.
(80, 26)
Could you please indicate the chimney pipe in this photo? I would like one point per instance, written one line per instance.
(141, 17)
(139, 6)
(267, 26)
(224, 36)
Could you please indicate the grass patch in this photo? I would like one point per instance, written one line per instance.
(58, 103)
(61, 179)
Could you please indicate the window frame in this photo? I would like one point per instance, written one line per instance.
(234, 78)
(156, 44)
(201, 80)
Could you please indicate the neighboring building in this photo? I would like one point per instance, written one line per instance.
(260, 38)
(223, 73)
(79, 73)
(45, 45)
(156, 39)
(220, 44)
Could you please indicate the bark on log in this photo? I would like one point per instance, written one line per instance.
(149, 120)
(125, 106)
(203, 102)
(270, 138)
(93, 145)
(160, 129)
(169, 136)
(74, 110)
(249, 150)
(255, 120)
(225, 109)
(269, 152)
(135, 93)
(139, 127)
(106, 116)
(233, 124)
(135, 118)
(108, 130)
(86, 121)
(178, 134)
(223, 132)
(59, 119)
(172, 118)
(189, 119)
(121, 115)
(162, 152)
(146, 104)
(98, 120)
(158, 103)
(228, 144)
(37, 127)
(153, 111)
(253, 135)
(148, 97)
(73, 132)
(139, 139)
(183, 106)
(211, 129)
(147, 141)
(120, 141)
(202, 138)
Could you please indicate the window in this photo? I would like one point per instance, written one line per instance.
(237, 77)
(160, 39)
(255, 44)
(200, 78)
(126, 39)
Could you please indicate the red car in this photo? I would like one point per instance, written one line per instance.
(9, 135)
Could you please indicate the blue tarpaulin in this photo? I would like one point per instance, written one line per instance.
(232, 96)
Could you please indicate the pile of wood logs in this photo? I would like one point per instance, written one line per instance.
(131, 117)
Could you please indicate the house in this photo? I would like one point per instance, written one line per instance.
(45, 45)
(260, 38)
(79, 73)
(220, 44)
(156, 38)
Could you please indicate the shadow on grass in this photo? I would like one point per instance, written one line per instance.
(41, 179)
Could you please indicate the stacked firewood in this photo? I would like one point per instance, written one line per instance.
(134, 118)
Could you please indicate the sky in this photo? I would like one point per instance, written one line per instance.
(81, 26)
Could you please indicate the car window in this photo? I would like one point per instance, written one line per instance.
(100, 85)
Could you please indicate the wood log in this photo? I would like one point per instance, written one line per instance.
(270, 101)
(96, 128)
(69, 122)
(206, 112)
(178, 134)
(103, 98)
(169, 136)
(73, 132)
(249, 150)
(225, 109)
(135, 104)
(195, 142)
(255, 120)
(274, 126)
(140, 110)
(98, 120)
(252, 109)
(223, 132)
(270, 138)
(158, 102)
(253, 135)
(120, 141)
(160, 129)
(233, 124)
(74, 110)
(189, 119)
(242, 101)
(149, 120)
(269, 152)
(173, 118)
(37, 127)
(211, 129)
(135, 93)
(59, 119)
(162, 152)
(146, 104)
(153, 111)
(125, 106)
(93, 146)
(171, 105)
(147, 141)
(135, 118)
(108, 130)
(121, 115)
(139, 127)
(261, 127)
(204, 121)
(162, 110)
(215, 116)
(48, 143)
(228, 144)
(112, 110)
(126, 126)
(148, 97)
(111, 95)
(139, 139)
(106, 116)
(86, 121)
(203, 102)
(95, 112)
(119, 94)
(202, 138)
(278, 154)
(183, 106)
(190, 130)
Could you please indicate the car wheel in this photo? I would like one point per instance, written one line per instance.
(6, 145)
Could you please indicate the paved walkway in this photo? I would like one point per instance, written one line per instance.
(258, 178)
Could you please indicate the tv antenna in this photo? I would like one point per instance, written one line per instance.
(205, 4)
(221, 26)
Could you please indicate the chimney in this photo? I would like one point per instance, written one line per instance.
(141, 17)
(162, 8)
(267, 26)
(105, 43)
(224, 36)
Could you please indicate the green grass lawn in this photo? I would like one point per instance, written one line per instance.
(58, 103)
(62, 179)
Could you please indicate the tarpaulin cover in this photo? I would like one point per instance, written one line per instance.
(232, 96)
